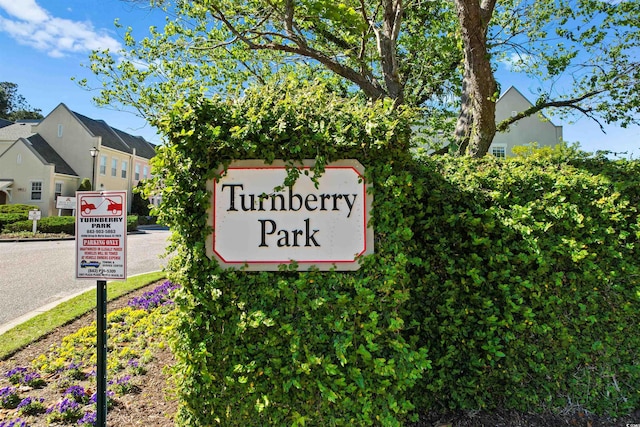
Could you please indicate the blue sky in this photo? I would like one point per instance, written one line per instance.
(43, 44)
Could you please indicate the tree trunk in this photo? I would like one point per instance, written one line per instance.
(476, 124)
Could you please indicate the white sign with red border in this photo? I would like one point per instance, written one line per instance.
(101, 235)
(259, 225)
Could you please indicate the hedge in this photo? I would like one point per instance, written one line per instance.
(59, 225)
(13, 213)
(494, 284)
(531, 284)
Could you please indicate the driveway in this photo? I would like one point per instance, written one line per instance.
(35, 275)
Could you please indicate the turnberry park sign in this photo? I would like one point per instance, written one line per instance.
(259, 225)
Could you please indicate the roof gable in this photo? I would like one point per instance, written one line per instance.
(15, 131)
(48, 154)
(100, 128)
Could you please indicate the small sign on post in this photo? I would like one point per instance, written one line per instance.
(35, 215)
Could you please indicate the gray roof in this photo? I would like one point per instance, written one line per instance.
(4, 123)
(15, 131)
(143, 147)
(101, 128)
(117, 139)
(50, 155)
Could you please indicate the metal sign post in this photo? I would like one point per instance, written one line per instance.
(101, 235)
(101, 368)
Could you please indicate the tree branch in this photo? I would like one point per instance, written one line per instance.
(569, 103)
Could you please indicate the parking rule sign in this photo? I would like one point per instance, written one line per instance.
(101, 235)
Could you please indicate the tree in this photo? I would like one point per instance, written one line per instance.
(85, 185)
(435, 55)
(13, 106)
(139, 205)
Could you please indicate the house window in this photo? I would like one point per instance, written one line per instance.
(145, 172)
(137, 175)
(114, 167)
(58, 190)
(499, 151)
(36, 190)
(103, 165)
(124, 169)
(60, 129)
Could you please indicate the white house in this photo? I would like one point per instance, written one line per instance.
(53, 157)
(10, 132)
(533, 129)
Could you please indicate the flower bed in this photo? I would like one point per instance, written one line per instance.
(58, 387)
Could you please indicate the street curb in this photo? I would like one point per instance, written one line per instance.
(33, 313)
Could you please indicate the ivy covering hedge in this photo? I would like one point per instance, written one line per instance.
(494, 284)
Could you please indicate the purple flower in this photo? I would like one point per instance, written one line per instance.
(66, 411)
(9, 397)
(77, 393)
(14, 423)
(157, 297)
(15, 375)
(20, 375)
(89, 419)
(27, 401)
(65, 405)
(94, 397)
(31, 406)
(123, 380)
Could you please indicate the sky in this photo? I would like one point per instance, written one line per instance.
(45, 43)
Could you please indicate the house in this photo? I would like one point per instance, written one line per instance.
(533, 129)
(54, 157)
(10, 132)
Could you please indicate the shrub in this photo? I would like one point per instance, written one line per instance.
(85, 185)
(6, 209)
(289, 348)
(528, 284)
(13, 213)
(132, 222)
(59, 225)
(49, 224)
(494, 284)
(11, 218)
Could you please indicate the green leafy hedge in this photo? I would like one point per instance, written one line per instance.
(13, 213)
(6, 209)
(60, 224)
(494, 284)
(530, 287)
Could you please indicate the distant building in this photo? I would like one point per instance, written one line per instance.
(50, 158)
(11, 132)
(533, 129)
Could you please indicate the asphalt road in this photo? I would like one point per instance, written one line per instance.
(37, 275)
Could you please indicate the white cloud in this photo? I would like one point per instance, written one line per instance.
(31, 25)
